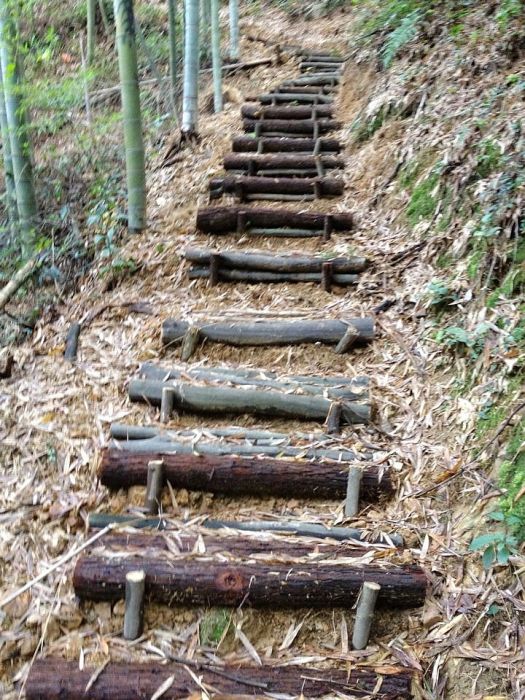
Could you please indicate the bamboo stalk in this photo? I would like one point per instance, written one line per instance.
(190, 99)
(9, 176)
(234, 30)
(216, 55)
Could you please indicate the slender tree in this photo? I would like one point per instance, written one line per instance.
(91, 10)
(10, 192)
(172, 28)
(234, 30)
(216, 55)
(17, 127)
(129, 85)
(190, 99)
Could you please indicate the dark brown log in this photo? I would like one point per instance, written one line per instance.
(327, 187)
(71, 349)
(314, 112)
(208, 581)
(292, 126)
(281, 162)
(260, 277)
(224, 219)
(271, 332)
(247, 144)
(272, 98)
(235, 476)
(255, 260)
(241, 546)
(226, 400)
(55, 679)
(331, 79)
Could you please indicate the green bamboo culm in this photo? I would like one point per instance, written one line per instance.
(129, 85)
(190, 98)
(10, 191)
(90, 30)
(17, 128)
(172, 30)
(216, 55)
(234, 30)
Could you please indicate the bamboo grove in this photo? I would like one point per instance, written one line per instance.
(193, 28)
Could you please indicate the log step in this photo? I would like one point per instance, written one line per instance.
(261, 332)
(287, 127)
(229, 401)
(260, 277)
(306, 146)
(328, 65)
(247, 188)
(54, 679)
(279, 165)
(221, 220)
(239, 476)
(301, 112)
(311, 89)
(328, 79)
(210, 581)
(273, 98)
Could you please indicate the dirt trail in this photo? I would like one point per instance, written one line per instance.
(57, 416)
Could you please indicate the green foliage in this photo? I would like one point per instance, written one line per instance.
(400, 36)
(439, 294)
(459, 339)
(423, 201)
(365, 129)
(497, 546)
(489, 158)
(508, 11)
(213, 625)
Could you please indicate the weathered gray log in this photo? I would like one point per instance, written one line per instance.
(122, 431)
(225, 400)
(54, 679)
(244, 186)
(319, 79)
(350, 388)
(268, 163)
(320, 65)
(260, 277)
(322, 57)
(249, 144)
(225, 219)
(299, 528)
(166, 442)
(306, 89)
(249, 111)
(263, 332)
(298, 97)
(292, 126)
(237, 476)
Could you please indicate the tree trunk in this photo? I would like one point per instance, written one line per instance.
(247, 144)
(242, 476)
(254, 164)
(308, 112)
(190, 99)
(91, 29)
(17, 127)
(243, 185)
(234, 30)
(55, 679)
(220, 220)
(216, 55)
(294, 126)
(222, 400)
(10, 190)
(181, 581)
(173, 48)
(271, 332)
(135, 167)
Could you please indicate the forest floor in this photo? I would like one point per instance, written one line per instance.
(465, 643)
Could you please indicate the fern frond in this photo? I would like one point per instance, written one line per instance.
(406, 31)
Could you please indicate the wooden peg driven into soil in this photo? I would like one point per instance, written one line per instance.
(353, 491)
(247, 144)
(193, 334)
(70, 351)
(134, 597)
(166, 404)
(328, 227)
(368, 596)
(215, 265)
(326, 276)
(348, 340)
(154, 484)
(333, 419)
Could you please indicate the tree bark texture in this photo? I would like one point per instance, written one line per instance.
(55, 679)
(225, 219)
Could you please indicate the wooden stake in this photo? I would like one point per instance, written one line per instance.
(326, 276)
(348, 340)
(192, 335)
(70, 351)
(364, 614)
(353, 488)
(328, 227)
(215, 263)
(166, 404)
(333, 419)
(155, 482)
(134, 614)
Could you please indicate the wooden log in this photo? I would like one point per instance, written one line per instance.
(331, 79)
(226, 400)
(292, 126)
(235, 476)
(319, 65)
(261, 332)
(349, 388)
(322, 57)
(122, 431)
(210, 581)
(299, 187)
(307, 89)
(71, 348)
(280, 162)
(302, 112)
(260, 277)
(247, 144)
(272, 98)
(55, 679)
(241, 546)
(224, 219)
